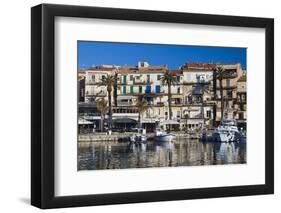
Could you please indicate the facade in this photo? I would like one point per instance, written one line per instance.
(198, 94)
(81, 86)
(229, 90)
(241, 102)
(195, 98)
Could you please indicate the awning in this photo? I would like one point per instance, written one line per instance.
(124, 120)
(83, 121)
(125, 97)
(169, 122)
(148, 121)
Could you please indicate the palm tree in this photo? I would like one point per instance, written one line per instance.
(108, 82)
(170, 79)
(142, 107)
(204, 90)
(215, 95)
(115, 88)
(220, 74)
(186, 117)
(102, 108)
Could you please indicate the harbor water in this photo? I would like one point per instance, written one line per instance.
(98, 156)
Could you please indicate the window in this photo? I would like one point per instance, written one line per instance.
(148, 78)
(131, 89)
(177, 101)
(125, 79)
(241, 115)
(158, 77)
(131, 77)
(93, 77)
(208, 113)
(124, 90)
(179, 90)
(229, 94)
(228, 82)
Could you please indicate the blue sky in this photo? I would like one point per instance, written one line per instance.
(97, 53)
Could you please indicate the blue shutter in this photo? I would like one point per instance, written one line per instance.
(157, 88)
(148, 89)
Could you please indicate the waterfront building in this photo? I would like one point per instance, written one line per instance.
(195, 97)
(198, 94)
(241, 102)
(229, 89)
(136, 83)
(81, 85)
(92, 78)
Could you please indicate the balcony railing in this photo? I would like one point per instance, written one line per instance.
(90, 83)
(98, 94)
(227, 87)
(160, 104)
(197, 82)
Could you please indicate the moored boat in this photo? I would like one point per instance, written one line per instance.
(141, 138)
(137, 137)
(227, 131)
(162, 136)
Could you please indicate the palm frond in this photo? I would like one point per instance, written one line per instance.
(142, 106)
(102, 105)
(222, 73)
(108, 81)
(169, 78)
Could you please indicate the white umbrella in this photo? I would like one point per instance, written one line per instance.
(83, 121)
(169, 122)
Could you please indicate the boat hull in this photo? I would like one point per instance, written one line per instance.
(220, 137)
(164, 138)
(226, 136)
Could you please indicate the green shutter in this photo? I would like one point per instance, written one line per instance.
(131, 89)
(140, 89)
(124, 89)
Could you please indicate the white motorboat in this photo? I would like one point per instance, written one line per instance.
(141, 138)
(162, 136)
(132, 138)
(227, 131)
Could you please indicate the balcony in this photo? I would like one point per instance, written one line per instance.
(159, 104)
(227, 87)
(90, 82)
(97, 94)
(232, 74)
(139, 82)
(196, 82)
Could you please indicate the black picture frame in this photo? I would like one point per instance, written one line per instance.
(43, 102)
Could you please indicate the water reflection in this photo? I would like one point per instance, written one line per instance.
(93, 156)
